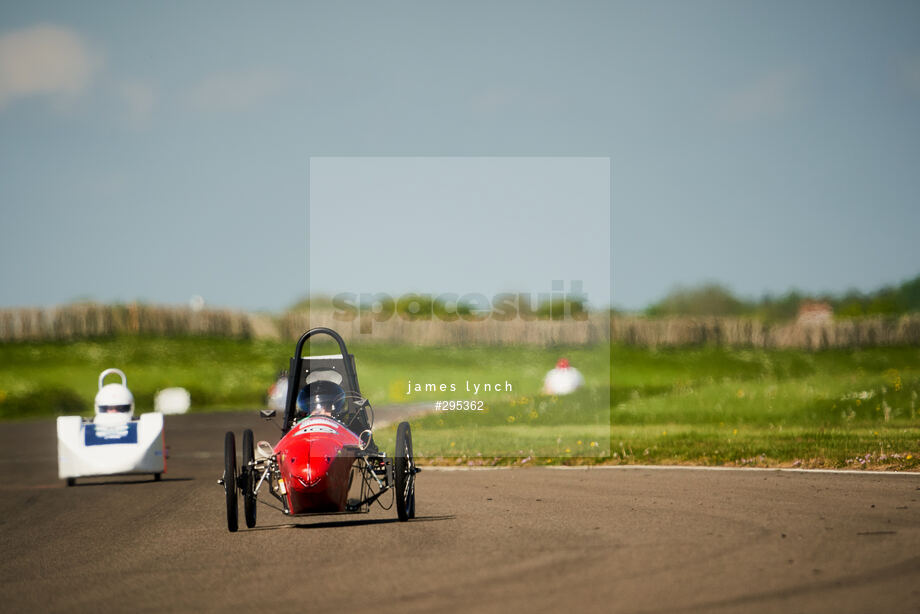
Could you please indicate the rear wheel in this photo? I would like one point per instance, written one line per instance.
(247, 473)
(230, 481)
(157, 477)
(71, 481)
(405, 473)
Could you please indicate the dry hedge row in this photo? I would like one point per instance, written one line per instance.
(741, 332)
(84, 321)
(460, 332)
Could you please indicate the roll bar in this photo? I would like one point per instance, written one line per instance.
(317, 331)
(296, 369)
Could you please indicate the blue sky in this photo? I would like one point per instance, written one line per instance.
(461, 226)
(157, 152)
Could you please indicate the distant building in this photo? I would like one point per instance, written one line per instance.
(815, 312)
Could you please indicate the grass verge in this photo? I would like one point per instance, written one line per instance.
(710, 406)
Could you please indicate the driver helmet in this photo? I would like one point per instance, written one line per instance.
(114, 398)
(320, 398)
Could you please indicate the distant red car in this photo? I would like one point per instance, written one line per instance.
(326, 461)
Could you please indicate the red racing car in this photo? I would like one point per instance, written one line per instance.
(326, 461)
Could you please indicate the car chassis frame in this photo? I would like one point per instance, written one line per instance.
(377, 472)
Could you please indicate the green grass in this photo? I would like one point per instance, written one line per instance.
(219, 373)
(701, 406)
(713, 406)
(224, 374)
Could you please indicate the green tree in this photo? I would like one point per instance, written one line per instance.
(706, 300)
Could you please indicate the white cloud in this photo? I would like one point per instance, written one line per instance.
(237, 91)
(771, 95)
(45, 60)
(139, 98)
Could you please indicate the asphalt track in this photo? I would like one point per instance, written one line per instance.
(518, 540)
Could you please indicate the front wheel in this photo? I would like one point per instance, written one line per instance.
(405, 473)
(230, 481)
(248, 479)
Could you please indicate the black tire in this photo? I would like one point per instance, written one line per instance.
(230, 481)
(157, 477)
(71, 481)
(405, 474)
(248, 479)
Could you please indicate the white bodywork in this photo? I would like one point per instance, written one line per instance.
(172, 401)
(109, 446)
(564, 380)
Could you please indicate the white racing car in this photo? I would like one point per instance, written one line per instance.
(113, 442)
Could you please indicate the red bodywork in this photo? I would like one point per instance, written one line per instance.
(315, 459)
